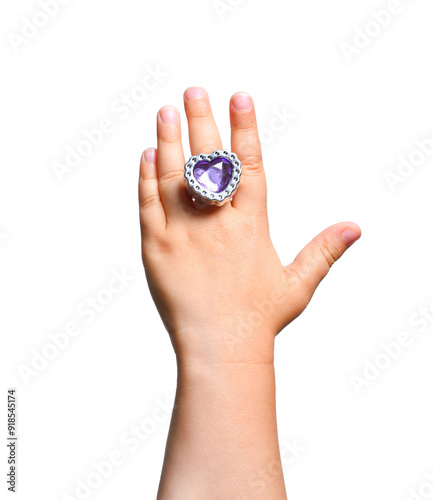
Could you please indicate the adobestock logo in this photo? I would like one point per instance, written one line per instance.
(130, 441)
(290, 452)
(87, 311)
(424, 491)
(248, 325)
(372, 29)
(382, 361)
(3, 238)
(281, 119)
(32, 25)
(223, 7)
(392, 350)
(121, 108)
(408, 165)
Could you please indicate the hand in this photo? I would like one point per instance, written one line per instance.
(214, 274)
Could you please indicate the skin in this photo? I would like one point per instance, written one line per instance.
(223, 295)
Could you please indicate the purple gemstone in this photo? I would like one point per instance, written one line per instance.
(215, 175)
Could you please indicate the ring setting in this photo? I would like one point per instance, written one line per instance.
(212, 179)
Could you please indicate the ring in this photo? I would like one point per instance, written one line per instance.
(212, 179)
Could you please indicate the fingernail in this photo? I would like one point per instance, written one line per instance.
(350, 236)
(242, 101)
(169, 114)
(195, 93)
(150, 155)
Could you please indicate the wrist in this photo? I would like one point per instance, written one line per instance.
(223, 347)
(202, 376)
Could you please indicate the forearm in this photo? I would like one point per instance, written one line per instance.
(223, 441)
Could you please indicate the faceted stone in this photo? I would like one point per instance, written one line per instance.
(215, 175)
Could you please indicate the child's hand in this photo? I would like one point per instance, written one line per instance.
(216, 279)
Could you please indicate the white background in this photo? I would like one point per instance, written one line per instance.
(60, 240)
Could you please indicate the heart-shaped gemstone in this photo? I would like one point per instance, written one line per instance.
(213, 175)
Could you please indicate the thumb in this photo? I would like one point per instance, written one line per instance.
(313, 263)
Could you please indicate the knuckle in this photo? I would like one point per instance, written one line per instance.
(206, 149)
(293, 276)
(154, 248)
(246, 125)
(170, 136)
(329, 253)
(174, 175)
(252, 163)
(150, 201)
